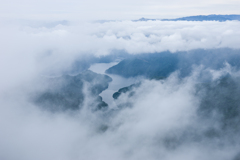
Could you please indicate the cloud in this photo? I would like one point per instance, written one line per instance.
(28, 50)
(157, 36)
(67, 42)
(163, 121)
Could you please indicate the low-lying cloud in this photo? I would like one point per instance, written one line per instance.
(161, 122)
(163, 119)
(55, 48)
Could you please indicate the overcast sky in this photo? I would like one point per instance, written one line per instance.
(112, 9)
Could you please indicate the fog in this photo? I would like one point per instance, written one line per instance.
(162, 122)
(164, 119)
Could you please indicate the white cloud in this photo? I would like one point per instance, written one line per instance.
(156, 126)
(31, 50)
(174, 36)
(160, 109)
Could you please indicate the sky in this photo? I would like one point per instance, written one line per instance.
(113, 10)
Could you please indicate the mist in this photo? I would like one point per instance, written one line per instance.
(162, 119)
(53, 99)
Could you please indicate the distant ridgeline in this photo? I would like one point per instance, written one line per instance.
(161, 65)
(213, 17)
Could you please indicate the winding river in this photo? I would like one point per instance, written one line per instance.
(117, 81)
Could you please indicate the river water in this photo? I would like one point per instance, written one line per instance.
(117, 81)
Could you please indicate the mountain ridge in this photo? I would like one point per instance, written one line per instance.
(212, 17)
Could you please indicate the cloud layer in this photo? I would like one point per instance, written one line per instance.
(34, 47)
(162, 120)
